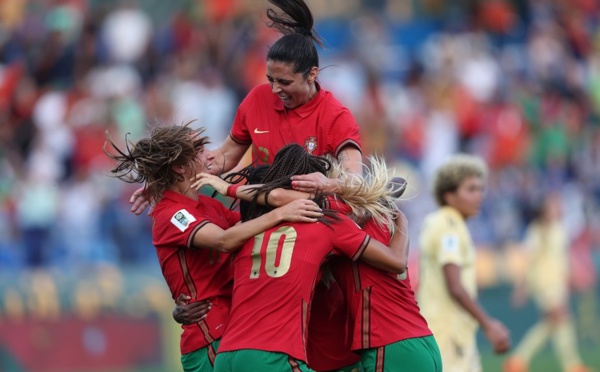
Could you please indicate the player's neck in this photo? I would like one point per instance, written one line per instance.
(184, 188)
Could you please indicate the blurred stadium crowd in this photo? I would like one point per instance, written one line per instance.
(517, 82)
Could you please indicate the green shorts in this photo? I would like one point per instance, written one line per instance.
(201, 360)
(258, 360)
(414, 354)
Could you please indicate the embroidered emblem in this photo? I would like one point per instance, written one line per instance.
(310, 144)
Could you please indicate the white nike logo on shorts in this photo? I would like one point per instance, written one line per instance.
(260, 131)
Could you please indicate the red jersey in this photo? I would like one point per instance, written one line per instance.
(322, 125)
(274, 278)
(329, 328)
(382, 304)
(199, 273)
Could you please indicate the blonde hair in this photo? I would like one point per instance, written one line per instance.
(451, 174)
(370, 195)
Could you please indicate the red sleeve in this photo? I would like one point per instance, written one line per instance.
(349, 239)
(175, 226)
(344, 131)
(239, 131)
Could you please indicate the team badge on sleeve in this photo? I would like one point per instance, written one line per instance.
(450, 243)
(182, 219)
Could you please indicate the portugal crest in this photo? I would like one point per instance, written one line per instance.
(310, 144)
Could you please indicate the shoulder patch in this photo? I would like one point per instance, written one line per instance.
(182, 219)
(450, 243)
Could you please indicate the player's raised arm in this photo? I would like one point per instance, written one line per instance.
(228, 155)
(276, 198)
(392, 258)
(212, 236)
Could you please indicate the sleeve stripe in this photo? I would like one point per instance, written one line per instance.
(190, 240)
(239, 141)
(348, 142)
(361, 248)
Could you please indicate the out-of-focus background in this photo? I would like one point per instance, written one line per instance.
(515, 81)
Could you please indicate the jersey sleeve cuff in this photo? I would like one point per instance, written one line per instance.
(190, 240)
(361, 248)
(348, 142)
(239, 141)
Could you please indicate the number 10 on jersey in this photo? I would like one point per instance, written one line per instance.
(280, 244)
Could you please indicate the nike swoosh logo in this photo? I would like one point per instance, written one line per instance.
(260, 131)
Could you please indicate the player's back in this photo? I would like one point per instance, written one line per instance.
(388, 299)
(274, 276)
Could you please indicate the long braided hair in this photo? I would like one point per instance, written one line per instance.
(291, 160)
(150, 160)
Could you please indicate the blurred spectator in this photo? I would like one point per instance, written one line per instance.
(517, 83)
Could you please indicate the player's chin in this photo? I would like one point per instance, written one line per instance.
(211, 170)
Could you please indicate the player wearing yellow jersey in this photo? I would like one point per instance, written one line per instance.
(447, 292)
(546, 280)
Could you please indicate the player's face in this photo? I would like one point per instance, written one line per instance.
(204, 160)
(553, 208)
(468, 197)
(292, 87)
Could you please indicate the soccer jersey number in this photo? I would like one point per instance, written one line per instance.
(275, 247)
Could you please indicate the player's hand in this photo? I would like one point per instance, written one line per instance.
(139, 201)
(189, 313)
(313, 183)
(497, 335)
(301, 210)
(203, 179)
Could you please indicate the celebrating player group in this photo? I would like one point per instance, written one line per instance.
(310, 272)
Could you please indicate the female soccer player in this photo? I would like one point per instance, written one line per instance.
(193, 234)
(274, 275)
(388, 331)
(291, 108)
(546, 242)
(448, 291)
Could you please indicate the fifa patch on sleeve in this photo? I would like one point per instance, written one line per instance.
(182, 219)
(450, 243)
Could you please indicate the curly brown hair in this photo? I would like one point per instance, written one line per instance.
(150, 160)
(452, 173)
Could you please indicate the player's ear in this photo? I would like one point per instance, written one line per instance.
(312, 74)
(179, 169)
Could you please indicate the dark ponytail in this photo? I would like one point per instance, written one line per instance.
(297, 46)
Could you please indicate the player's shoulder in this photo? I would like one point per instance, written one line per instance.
(166, 206)
(260, 91)
(444, 219)
(451, 216)
(330, 99)
(170, 205)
